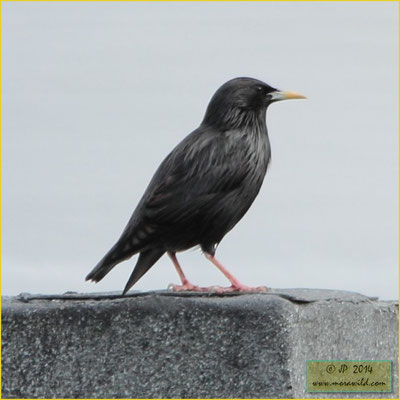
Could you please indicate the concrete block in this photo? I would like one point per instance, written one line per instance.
(178, 345)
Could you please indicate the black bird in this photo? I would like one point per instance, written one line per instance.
(203, 187)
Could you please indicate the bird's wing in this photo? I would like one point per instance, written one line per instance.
(203, 167)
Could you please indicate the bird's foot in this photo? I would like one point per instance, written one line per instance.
(238, 288)
(187, 287)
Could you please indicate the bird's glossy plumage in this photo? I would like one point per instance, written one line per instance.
(204, 186)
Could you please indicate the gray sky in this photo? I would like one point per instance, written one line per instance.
(96, 94)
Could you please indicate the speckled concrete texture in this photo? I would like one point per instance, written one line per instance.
(343, 329)
(168, 345)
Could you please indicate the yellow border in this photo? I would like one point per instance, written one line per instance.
(111, 1)
(1, 258)
(209, 1)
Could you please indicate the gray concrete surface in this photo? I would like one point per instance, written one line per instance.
(168, 345)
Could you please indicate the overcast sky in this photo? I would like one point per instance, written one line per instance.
(95, 95)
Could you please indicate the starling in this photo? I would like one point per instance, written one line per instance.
(203, 187)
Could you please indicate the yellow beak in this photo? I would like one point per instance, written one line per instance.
(278, 95)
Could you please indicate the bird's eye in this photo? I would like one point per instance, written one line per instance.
(259, 88)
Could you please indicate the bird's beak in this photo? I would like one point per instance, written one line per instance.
(278, 95)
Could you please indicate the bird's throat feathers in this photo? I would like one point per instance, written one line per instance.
(235, 118)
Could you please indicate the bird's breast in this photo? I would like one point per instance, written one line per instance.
(255, 155)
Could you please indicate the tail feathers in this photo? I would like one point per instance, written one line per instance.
(145, 261)
(107, 263)
(100, 270)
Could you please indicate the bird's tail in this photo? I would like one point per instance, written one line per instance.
(107, 263)
(145, 261)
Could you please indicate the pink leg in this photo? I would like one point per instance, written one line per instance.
(186, 285)
(236, 285)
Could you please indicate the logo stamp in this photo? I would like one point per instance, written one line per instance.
(349, 376)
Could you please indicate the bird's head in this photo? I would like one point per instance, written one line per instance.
(243, 96)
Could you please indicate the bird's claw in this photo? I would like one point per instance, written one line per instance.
(239, 288)
(243, 289)
(257, 289)
(187, 287)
